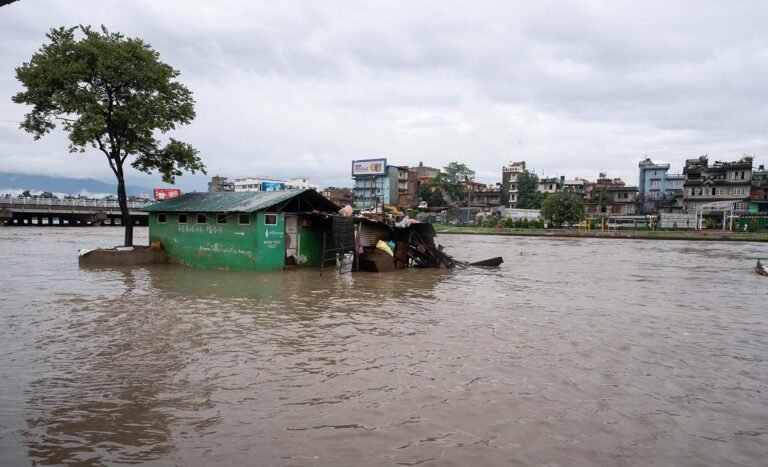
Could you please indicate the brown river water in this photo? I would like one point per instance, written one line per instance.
(572, 353)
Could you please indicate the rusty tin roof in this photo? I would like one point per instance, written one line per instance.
(303, 200)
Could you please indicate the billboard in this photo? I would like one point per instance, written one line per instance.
(369, 167)
(166, 193)
(272, 186)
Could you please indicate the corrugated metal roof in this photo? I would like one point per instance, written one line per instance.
(245, 201)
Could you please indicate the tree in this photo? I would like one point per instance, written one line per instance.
(113, 94)
(453, 178)
(563, 207)
(432, 193)
(528, 194)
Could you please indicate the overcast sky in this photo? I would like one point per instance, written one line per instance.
(289, 88)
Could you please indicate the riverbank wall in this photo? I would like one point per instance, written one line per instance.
(696, 235)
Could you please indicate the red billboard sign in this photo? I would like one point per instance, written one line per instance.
(166, 193)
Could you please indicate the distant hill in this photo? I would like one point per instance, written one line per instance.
(70, 186)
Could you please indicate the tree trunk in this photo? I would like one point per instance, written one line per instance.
(122, 199)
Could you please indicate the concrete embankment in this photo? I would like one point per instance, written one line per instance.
(122, 256)
(700, 235)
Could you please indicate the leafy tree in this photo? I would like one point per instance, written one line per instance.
(26, 194)
(528, 194)
(601, 197)
(563, 207)
(452, 179)
(113, 94)
(432, 193)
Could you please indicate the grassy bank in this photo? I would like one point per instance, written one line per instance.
(706, 235)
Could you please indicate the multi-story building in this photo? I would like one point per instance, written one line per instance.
(220, 184)
(658, 189)
(509, 186)
(758, 199)
(409, 197)
(425, 173)
(549, 185)
(376, 184)
(259, 184)
(576, 185)
(300, 183)
(610, 197)
(339, 196)
(725, 183)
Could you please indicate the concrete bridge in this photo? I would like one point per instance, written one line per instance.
(67, 212)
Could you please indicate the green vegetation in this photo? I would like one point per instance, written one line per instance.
(452, 178)
(113, 94)
(563, 208)
(528, 194)
(432, 193)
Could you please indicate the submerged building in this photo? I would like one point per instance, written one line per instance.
(250, 231)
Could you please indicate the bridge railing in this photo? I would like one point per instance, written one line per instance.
(91, 203)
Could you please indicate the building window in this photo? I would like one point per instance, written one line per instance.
(244, 219)
(182, 218)
(719, 191)
(221, 218)
(738, 206)
(202, 219)
(270, 219)
(161, 218)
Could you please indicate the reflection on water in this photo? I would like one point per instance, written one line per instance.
(574, 352)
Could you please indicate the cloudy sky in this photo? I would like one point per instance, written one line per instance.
(289, 88)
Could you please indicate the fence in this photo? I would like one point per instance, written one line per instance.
(78, 202)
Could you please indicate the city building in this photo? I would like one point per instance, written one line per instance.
(758, 200)
(610, 197)
(549, 185)
(425, 173)
(339, 196)
(718, 188)
(509, 187)
(300, 183)
(377, 184)
(577, 185)
(658, 189)
(220, 185)
(259, 184)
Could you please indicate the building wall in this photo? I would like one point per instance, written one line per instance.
(509, 189)
(384, 189)
(722, 181)
(252, 247)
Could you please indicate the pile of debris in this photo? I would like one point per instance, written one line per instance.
(382, 247)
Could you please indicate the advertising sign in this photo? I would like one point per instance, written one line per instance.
(369, 167)
(272, 186)
(166, 193)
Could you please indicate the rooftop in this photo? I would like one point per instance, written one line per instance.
(302, 200)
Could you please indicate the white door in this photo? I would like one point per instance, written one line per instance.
(292, 237)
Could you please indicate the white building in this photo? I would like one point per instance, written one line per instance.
(301, 182)
(259, 184)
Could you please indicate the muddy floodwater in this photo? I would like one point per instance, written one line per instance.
(572, 353)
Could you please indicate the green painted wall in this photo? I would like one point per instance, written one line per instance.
(310, 246)
(252, 247)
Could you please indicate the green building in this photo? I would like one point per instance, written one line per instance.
(249, 231)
